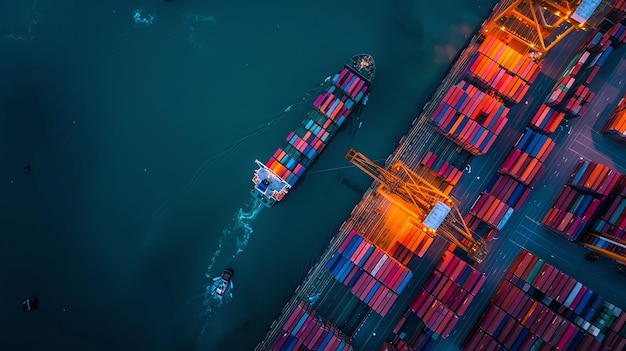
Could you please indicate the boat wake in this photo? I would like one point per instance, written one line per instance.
(235, 234)
(164, 210)
(239, 230)
(212, 302)
(242, 223)
(192, 21)
(29, 20)
(144, 16)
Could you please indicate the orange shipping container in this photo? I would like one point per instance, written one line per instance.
(491, 209)
(518, 163)
(592, 177)
(530, 171)
(604, 170)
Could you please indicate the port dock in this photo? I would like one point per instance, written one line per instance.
(359, 320)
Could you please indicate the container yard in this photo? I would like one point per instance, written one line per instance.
(498, 222)
(537, 307)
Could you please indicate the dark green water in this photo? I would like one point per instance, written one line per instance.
(142, 140)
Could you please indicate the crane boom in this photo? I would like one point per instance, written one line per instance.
(610, 254)
(424, 202)
(538, 25)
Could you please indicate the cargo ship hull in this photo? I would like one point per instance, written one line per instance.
(346, 94)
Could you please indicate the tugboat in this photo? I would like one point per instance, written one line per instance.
(30, 304)
(223, 281)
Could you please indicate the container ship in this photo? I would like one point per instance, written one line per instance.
(345, 96)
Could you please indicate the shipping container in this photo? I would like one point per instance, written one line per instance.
(529, 312)
(446, 294)
(615, 126)
(305, 328)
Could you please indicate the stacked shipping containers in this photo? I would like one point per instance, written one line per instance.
(594, 177)
(470, 117)
(610, 223)
(578, 101)
(580, 198)
(566, 82)
(437, 306)
(495, 205)
(307, 141)
(615, 127)
(304, 330)
(571, 212)
(472, 114)
(446, 294)
(373, 276)
(617, 12)
(571, 94)
(546, 119)
(508, 74)
(537, 307)
(422, 340)
(412, 242)
(508, 189)
(499, 68)
(443, 169)
(525, 162)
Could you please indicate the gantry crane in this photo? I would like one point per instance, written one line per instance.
(537, 25)
(422, 201)
(610, 254)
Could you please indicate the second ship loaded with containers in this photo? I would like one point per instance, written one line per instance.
(345, 96)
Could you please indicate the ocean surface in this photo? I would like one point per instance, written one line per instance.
(141, 121)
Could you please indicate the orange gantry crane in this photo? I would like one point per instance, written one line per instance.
(620, 257)
(425, 203)
(537, 25)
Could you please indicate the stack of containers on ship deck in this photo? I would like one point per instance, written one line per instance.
(331, 109)
(443, 169)
(446, 295)
(580, 198)
(501, 69)
(373, 276)
(610, 222)
(537, 307)
(615, 127)
(525, 162)
(305, 330)
(411, 242)
(470, 117)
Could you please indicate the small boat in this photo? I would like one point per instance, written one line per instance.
(30, 304)
(223, 281)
